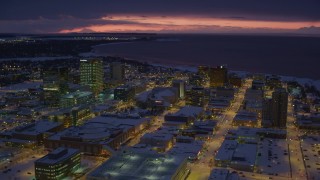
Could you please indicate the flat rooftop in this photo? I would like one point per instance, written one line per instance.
(246, 116)
(77, 94)
(58, 155)
(129, 165)
(274, 157)
(99, 129)
(245, 154)
(36, 128)
(157, 136)
(226, 150)
(25, 86)
(188, 150)
(188, 111)
(254, 132)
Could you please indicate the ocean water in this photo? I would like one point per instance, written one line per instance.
(283, 55)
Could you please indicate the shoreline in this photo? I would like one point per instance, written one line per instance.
(190, 68)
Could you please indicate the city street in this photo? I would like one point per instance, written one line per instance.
(157, 123)
(201, 169)
(298, 170)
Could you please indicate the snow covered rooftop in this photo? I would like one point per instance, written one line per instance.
(25, 86)
(186, 111)
(188, 150)
(57, 156)
(129, 165)
(37, 127)
(99, 129)
(226, 150)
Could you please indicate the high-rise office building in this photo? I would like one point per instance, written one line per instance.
(273, 82)
(55, 84)
(274, 111)
(196, 80)
(180, 85)
(203, 70)
(279, 107)
(267, 113)
(218, 76)
(196, 96)
(117, 71)
(124, 93)
(91, 74)
(234, 80)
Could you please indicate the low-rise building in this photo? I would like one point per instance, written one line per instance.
(258, 84)
(70, 116)
(184, 117)
(310, 121)
(76, 98)
(223, 174)
(225, 92)
(157, 98)
(160, 142)
(124, 93)
(219, 104)
(131, 165)
(191, 150)
(58, 164)
(254, 95)
(245, 118)
(32, 134)
(98, 136)
(252, 149)
(201, 130)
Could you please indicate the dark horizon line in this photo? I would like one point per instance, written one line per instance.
(165, 33)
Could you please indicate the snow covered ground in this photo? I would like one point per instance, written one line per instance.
(20, 169)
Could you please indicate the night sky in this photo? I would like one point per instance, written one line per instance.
(160, 16)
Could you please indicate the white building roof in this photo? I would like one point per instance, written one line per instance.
(57, 155)
(129, 165)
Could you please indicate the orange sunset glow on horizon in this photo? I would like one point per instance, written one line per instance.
(127, 23)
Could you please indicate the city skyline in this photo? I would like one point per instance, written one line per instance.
(159, 89)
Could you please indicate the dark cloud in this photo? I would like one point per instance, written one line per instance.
(249, 9)
(309, 30)
(42, 25)
(55, 15)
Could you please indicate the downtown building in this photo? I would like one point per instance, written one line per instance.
(203, 70)
(275, 109)
(141, 165)
(76, 99)
(91, 74)
(101, 135)
(279, 108)
(30, 135)
(180, 85)
(197, 96)
(55, 84)
(235, 81)
(218, 76)
(157, 99)
(117, 71)
(124, 93)
(58, 164)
